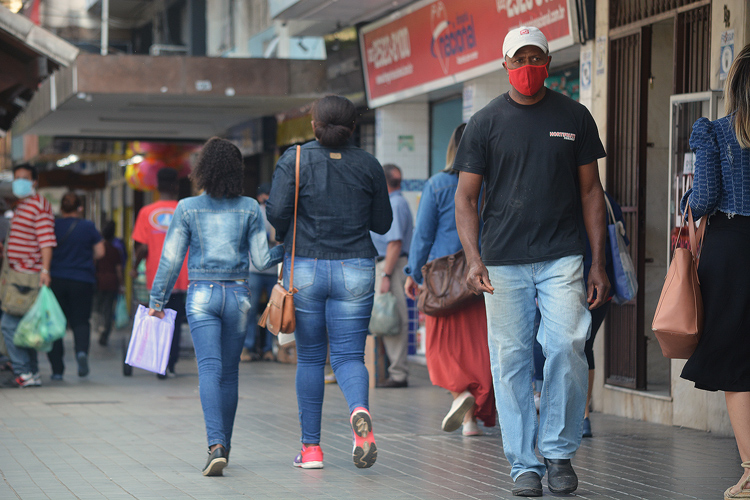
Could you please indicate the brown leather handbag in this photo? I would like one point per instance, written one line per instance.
(678, 321)
(445, 289)
(279, 316)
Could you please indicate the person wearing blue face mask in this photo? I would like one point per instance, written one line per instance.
(29, 253)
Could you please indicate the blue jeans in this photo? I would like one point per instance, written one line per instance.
(24, 360)
(259, 282)
(217, 312)
(333, 304)
(564, 327)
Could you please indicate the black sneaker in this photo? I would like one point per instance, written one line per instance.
(217, 460)
(83, 364)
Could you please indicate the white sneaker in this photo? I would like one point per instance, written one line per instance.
(27, 380)
(471, 429)
(37, 379)
(455, 417)
(537, 400)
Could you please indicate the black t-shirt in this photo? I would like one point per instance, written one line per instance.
(529, 158)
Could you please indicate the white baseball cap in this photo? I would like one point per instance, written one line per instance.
(522, 36)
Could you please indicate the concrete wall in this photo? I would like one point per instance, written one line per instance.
(480, 91)
(394, 124)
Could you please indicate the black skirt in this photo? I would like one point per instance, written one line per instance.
(721, 362)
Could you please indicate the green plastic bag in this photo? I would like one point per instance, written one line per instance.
(122, 318)
(43, 324)
(385, 319)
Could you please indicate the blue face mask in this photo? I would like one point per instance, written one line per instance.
(22, 188)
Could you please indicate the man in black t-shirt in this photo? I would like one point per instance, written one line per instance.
(536, 151)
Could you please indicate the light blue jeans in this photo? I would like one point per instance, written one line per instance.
(563, 331)
(24, 360)
(217, 312)
(333, 304)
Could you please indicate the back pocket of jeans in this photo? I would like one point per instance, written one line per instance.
(200, 293)
(304, 273)
(358, 280)
(243, 300)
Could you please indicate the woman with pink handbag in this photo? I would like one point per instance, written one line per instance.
(721, 192)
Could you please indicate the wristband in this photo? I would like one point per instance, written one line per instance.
(44, 271)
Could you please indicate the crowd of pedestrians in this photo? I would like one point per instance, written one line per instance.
(520, 194)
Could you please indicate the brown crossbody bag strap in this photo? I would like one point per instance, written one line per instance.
(280, 315)
(294, 229)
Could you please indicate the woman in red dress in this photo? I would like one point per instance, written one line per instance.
(457, 354)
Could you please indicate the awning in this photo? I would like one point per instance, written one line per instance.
(321, 17)
(28, 55)
(167, 97)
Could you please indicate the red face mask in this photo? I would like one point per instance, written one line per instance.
(528, 79)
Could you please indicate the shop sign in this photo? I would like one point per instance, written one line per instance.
(436, 43)
(727, 53)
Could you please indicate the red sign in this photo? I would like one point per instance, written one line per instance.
(436, 43)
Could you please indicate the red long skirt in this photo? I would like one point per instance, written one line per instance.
(458, 357)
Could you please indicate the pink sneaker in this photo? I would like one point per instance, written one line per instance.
(365, 451)
(309, 458)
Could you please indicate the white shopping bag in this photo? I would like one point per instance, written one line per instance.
(285, 338)
(151, 340)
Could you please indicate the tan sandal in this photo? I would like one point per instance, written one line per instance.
(744, 490)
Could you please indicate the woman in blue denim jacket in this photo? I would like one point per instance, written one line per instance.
(457, 352)
(721, 193)
(221, 228)
(342, 196)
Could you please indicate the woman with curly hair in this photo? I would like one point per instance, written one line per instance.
(342, 197)
(221, 228)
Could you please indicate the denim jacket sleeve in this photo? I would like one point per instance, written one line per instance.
(381, 216)
(704, 195)
(280, 203)
(172, 256)
(258, 243)
(425, 231)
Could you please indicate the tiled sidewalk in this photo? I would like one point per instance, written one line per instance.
(116, 437)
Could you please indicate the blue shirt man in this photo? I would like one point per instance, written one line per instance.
(393, 250)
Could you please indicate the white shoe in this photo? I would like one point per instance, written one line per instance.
(463, 403)
(537, 400)
(471, 429)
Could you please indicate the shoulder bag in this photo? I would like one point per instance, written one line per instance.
(678, 321)
(445, 289)
(279, 316)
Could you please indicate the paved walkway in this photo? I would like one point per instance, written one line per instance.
(115, 437)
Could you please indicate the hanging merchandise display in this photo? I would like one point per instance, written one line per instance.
(147, 158)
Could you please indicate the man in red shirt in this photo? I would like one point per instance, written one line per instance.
(30, 242)
(149, 232)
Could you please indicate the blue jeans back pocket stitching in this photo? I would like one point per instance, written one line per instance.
(356, 274)
(243, 301)
(200, 293)
(298, 284)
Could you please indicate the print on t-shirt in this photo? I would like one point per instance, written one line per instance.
(160, 218)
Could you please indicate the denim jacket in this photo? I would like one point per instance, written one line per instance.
(722, 170)
(435, 233)
(342, 197)
(220, 233)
